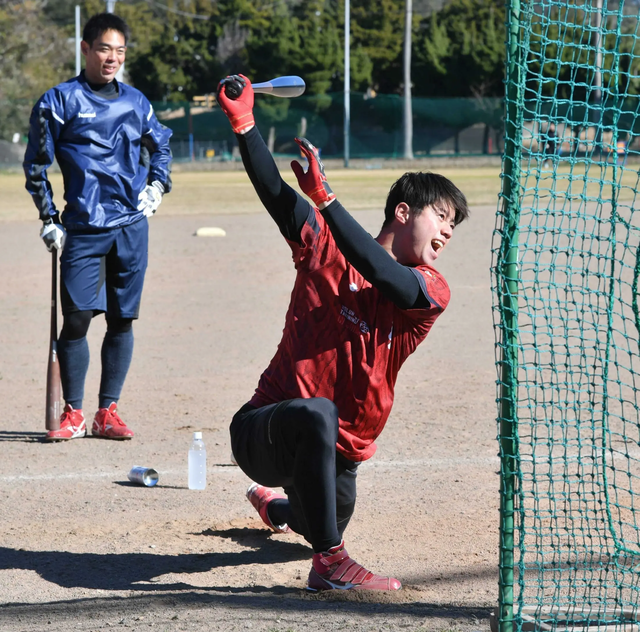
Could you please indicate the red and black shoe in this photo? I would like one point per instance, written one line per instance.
(335, 570)
(260, 497)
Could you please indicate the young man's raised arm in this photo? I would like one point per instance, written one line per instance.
(401, 284)
(288, 209)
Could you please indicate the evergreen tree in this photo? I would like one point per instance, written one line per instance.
(303, 41)
(377, 30)
(460, 51)
(171, 55)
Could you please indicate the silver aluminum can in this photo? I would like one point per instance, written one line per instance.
(143, 475)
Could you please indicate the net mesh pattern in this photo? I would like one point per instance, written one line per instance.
(566, 263)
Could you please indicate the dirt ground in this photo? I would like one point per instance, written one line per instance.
(83, 549)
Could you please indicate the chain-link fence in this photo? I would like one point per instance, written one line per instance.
(441, 127)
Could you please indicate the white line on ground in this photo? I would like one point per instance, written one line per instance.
(478, 460)
(231, 470)
(119, 475)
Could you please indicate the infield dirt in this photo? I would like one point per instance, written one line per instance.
(83, 549)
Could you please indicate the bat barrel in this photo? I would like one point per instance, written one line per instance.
(54, 391)
(285, 87)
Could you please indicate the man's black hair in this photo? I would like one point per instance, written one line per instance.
(102, 22)
(419, 189)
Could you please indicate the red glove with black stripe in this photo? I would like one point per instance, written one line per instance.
(239, 111)
(313, 182)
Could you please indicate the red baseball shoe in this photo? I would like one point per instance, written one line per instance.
(335, 570)
(260, 497)
(108, 425)
(72, 426)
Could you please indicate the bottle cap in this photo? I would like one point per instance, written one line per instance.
(197, 435)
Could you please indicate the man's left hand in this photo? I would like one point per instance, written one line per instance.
(313, 181)
(150, 198)
(239, 111)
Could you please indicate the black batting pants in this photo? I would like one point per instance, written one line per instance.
(292, 444)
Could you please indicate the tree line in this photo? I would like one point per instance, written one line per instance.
(181, 48)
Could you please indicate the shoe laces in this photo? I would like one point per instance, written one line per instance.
(113, 417)
(107, 416)
(67, 418)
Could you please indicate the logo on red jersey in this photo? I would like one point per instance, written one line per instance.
(349, 315)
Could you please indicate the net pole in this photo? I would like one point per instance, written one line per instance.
(508, 288)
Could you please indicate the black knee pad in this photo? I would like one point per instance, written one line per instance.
(119, 325)
(76, 325)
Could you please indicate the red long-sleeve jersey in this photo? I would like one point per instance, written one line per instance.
(344, 340)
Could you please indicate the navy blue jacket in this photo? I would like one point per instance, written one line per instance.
(97, 144)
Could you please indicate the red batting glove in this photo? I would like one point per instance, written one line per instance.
(313, 182)
(238, 111)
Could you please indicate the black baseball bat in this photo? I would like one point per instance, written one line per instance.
(287, 87)
(54, 389)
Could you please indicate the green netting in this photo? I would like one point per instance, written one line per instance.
(566, 263)
(441, 126)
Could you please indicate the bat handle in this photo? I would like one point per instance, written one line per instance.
(54, 294)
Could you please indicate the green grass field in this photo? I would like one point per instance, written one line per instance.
(230, 192)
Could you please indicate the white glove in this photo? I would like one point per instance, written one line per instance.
(150, 198)
(54, 236)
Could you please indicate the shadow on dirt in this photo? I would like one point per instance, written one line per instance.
(142, 571)
(26, 437)
(141, 576)
(255, 538)
(278, 600)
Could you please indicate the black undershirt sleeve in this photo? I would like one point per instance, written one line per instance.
(288, 208)
(402, 285)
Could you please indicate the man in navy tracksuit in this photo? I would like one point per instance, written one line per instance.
(115, 160)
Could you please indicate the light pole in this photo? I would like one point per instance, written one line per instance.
(597, 80)
(78, 39)
(408, 112)
(111, 5)
(598, 46)
(347, 80)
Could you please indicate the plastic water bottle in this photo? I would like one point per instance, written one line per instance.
(197, 463)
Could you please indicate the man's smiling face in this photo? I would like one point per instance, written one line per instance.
(104, 57)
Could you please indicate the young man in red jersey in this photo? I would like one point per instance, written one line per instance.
(359, 307)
